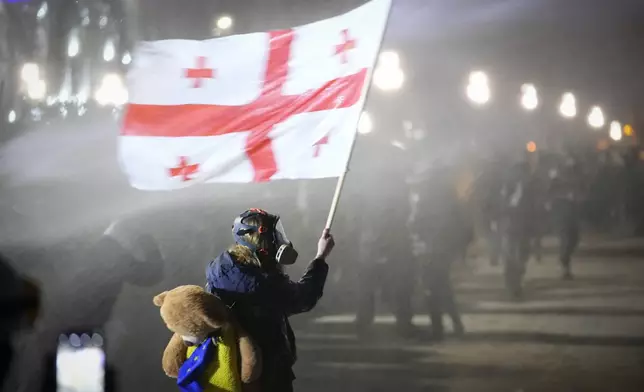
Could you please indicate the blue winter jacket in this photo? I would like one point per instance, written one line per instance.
(262, 301)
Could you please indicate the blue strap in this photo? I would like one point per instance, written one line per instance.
(194, 367)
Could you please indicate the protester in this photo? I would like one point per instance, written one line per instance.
(565, 192)
(440, 225)
(385, 260)
(249, 279)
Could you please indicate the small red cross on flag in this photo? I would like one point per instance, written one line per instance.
(277, 95)
(184, 170)
(345, 46)
(200, 72)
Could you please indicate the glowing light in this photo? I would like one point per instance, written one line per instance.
(388, 79)
(628, 130)
(73, 46)
(112, 91)
(42, 11)
(12, 117)
(127, 58)
(478, 89)
(531, 146)
(568, 106)
(109, 51)
(64, 95)
(388, 75)
(82, 95)
(596, 117)
(389, 59)
(37, 90)
(529, 97)
(615, 132)
(102, 22)
(224, 22)
(365, 125)
(30, 73)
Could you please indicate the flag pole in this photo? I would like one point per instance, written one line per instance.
(340, 185)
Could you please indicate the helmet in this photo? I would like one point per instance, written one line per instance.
(273, 241)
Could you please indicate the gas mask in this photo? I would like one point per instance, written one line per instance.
(273, 241)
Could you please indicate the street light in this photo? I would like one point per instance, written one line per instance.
(30, 73)
(12, 117)
(365, 125)
(596, 117)
(478, 88)
(224, 22)
(388, 79)
(389, 59)
(42, 11)
(222, 25)
(615, 131)
(529, 97)
(531, 146)
(568, 106)
(112, 91)
(37, 90)
(388, 76)
(109, 51)
(73, 46)
(126, 59)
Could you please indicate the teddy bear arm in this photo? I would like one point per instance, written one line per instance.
(174, 356)
(250, 357)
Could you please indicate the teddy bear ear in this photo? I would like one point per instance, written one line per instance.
(158, 300)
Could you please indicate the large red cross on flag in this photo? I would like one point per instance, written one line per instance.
(280, 105)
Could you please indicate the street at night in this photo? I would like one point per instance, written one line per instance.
(479, 165)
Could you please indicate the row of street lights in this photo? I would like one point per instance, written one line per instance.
(479, 93)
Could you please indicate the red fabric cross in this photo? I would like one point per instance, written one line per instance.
(200, 72)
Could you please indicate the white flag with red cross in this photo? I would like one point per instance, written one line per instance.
(255, 107)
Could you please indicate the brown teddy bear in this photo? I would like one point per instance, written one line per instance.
(201, 323)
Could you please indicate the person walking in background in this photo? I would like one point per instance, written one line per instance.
(386, 264)
(565, 193)
(440, 224)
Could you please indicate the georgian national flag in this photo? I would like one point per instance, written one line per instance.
(255, 107)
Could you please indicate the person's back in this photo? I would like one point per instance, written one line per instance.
(249, 280)
(440, 219)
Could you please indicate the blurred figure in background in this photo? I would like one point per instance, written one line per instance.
(565, 193)
(487, 194)
(517, 224)
(440, 224)
(384, 245)
(19, 306)
(540, 165)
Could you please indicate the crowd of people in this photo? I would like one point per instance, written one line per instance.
(416, 223)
